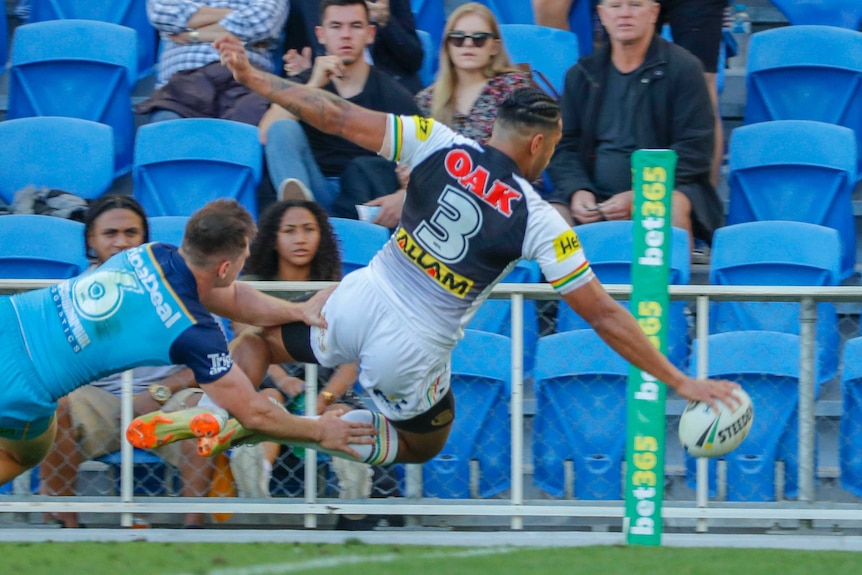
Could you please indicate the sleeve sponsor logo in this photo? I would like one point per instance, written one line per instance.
(452, 282)
(566, 245)
(219, 363)
(423, 127)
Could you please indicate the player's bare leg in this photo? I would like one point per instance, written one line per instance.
(17, 456)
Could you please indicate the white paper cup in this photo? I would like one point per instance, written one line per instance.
(367, 213)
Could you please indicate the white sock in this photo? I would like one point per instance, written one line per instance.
(207, 401)
(382, 452)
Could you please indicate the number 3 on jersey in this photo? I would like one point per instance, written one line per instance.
(456, 220)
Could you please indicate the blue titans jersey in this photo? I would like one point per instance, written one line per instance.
(140, 307)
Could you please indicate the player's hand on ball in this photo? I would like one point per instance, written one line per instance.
(709, 390)
(706, 432)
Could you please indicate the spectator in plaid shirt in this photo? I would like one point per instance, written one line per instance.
(190, 79)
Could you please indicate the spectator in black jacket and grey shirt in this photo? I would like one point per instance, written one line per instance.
(639, 91)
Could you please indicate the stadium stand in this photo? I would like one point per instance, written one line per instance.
(358, 241)
(129, 13)
(60, 144)
(76, 68)
(182, 164)
(481, 431)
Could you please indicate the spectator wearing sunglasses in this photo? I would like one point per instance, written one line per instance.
(474, 77)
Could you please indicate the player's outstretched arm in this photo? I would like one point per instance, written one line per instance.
(620, 330)
(241, 302)
(254, 411)
(319, 108)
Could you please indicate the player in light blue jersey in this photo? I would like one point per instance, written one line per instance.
(149, 305)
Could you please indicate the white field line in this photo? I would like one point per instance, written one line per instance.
(330, 562)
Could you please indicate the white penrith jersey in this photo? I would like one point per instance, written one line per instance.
(468, 218)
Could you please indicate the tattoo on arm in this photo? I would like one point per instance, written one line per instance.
(314, 106)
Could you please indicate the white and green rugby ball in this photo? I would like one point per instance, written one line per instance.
(705, 433)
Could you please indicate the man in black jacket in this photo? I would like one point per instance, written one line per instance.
(637, 92)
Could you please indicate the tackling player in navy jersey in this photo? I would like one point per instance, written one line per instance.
(469, 215)
(148, 305)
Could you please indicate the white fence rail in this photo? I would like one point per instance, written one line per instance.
(517, 504)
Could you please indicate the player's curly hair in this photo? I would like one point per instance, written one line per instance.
(107, 203)
(263, 261)
(529, 107)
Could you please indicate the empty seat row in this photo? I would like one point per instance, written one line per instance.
(178, 166)
(578, 440)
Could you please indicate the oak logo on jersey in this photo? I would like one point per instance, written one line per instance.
(452, 282)
(498, 195)
(566, 244)
(423, 127)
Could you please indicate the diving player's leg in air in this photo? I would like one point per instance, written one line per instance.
(413, 440)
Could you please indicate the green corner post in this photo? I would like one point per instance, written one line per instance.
(653, 184)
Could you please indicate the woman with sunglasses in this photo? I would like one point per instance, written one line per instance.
(475, 74)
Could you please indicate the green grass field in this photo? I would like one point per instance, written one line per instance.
(355, 558)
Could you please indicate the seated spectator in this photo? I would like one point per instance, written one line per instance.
(639, 91)
(475, 75)
(191, 82)
(296, 242)
(88, 419)
(305, 163)
(396, 50)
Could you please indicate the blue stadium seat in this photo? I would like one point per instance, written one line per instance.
(428, 71)
(430, 17)
(183, 164)
(608, 246)
(850, 449)
(60, 144)
(806, 73)
(521, 12)
(129, 13)
(4, 44)
(168, 229)
(152, 475)
(795, 170)
(766, 365)
(6, 488)
(41, 247)
(508, 12)
(580, 415)
(80, 69)
(775, 253)
(495, 316)
(481, 430)
(841, 13)
(358, 241)
(558, 51)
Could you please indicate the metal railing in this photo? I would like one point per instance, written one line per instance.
(516, 507)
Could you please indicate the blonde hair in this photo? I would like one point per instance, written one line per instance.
(446, 83)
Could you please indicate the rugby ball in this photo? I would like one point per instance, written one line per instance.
(705, 433)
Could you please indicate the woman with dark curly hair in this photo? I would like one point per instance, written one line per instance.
(295, 242)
